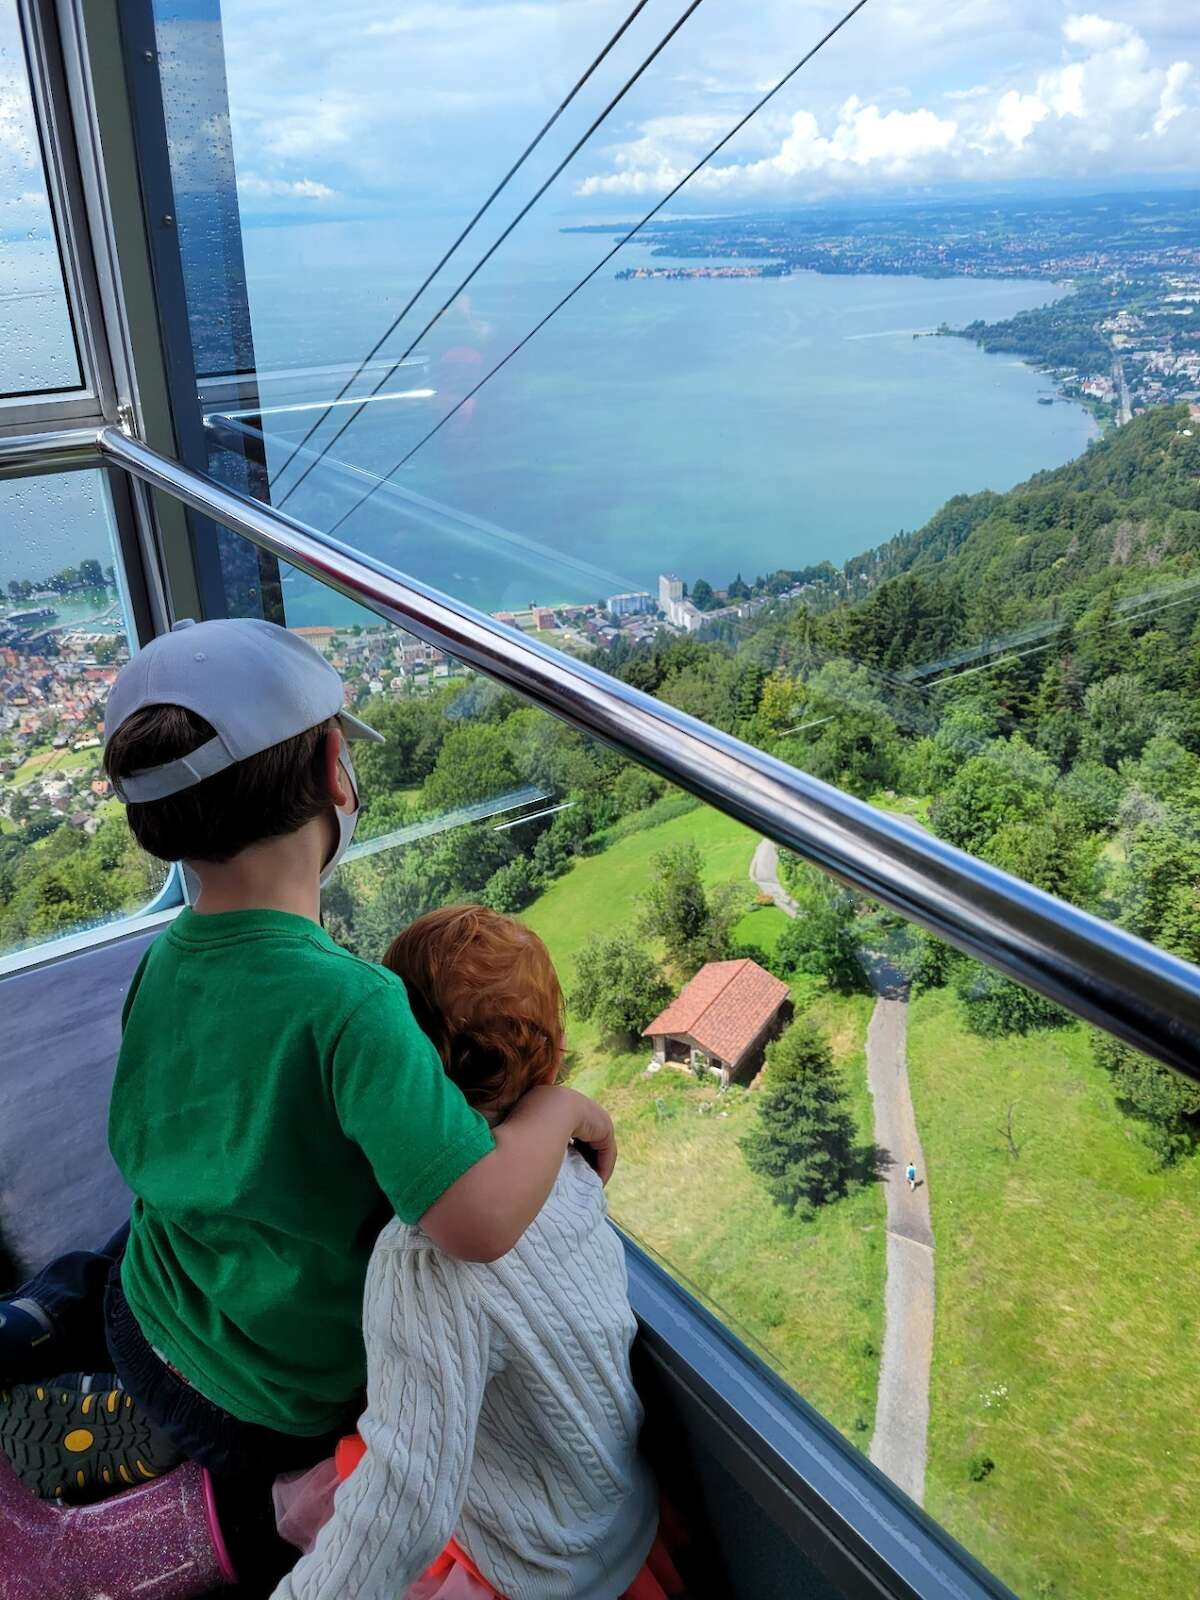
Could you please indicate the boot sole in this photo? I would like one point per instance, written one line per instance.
(75, 1447)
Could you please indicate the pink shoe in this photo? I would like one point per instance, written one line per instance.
(160, 1541)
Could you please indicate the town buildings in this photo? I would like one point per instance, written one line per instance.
(54, 685)
(635, 604)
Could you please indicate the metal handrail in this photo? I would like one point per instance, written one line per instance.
(1103, 974)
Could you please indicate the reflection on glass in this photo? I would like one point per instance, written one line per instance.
(67, 860)
(37, 345)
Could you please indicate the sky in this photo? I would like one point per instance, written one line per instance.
(368, 105)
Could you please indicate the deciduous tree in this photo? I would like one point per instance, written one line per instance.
(1165, 1104)
(821, 938)
(620, 985)
(695, 924)
(474, 763)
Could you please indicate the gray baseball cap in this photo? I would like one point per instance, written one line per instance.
(256, 683)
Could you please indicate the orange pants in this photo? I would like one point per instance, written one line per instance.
(657, 1580)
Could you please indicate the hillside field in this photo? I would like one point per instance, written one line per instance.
(808, 1294)
(1067, 1337)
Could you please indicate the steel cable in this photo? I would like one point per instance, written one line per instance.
(503, 184)
(604, 260)
(490, 252)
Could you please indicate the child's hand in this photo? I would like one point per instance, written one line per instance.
(595, 1135)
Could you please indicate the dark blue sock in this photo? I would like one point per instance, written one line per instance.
(26, 1340)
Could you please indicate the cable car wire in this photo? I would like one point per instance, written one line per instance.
(604, 260)
(490, 252)
(504, 181)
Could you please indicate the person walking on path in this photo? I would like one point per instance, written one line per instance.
(911, 1175)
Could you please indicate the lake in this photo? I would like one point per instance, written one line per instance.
(703, 426)
(707, 427)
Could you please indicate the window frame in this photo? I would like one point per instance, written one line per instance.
(95, 397)
(55, 52)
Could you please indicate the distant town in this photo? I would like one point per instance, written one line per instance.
(55, 676)
(54, 682)
(1126, 336)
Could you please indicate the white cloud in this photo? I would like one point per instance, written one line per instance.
(249, 183)
(1107, 102)
(1172, 102)
(418, 109)
(309, 128)
(889, 143)
(1096, 33)
(1017, 115)
(424, 19)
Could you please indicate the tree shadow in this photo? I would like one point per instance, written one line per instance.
(871, 1163)
(621, 1042)
(885, 977)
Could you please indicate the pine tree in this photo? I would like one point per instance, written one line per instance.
(749, 690)
(802, 1148)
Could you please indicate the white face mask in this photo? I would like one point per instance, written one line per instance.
(346, 821)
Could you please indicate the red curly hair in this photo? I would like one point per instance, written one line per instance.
(484, 989)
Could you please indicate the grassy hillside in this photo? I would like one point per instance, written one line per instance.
(810, 1294)
(1066, 1343)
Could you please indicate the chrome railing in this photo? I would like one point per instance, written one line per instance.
(1104, 975)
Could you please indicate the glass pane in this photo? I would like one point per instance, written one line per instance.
(956, 1324)
(902, 491)
(477, 796)
(67, 860)
(37, 343)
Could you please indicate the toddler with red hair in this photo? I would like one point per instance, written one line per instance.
(499, 1448)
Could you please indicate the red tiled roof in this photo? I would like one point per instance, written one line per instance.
(724, 1008)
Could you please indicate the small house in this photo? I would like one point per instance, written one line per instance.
(723, 1020)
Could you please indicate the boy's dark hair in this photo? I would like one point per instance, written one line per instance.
(262, 797)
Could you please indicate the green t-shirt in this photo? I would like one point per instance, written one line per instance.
(274, 1098)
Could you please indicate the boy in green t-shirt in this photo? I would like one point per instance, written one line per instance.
(274, 1100)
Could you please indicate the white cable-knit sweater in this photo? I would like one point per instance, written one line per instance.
(500, 1410)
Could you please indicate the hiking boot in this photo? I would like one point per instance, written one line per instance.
(80, 1439)
(28, 1341)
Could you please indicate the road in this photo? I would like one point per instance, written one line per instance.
(1124, 405)
(764, 874)
(898, 1446)
(899, 1443)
